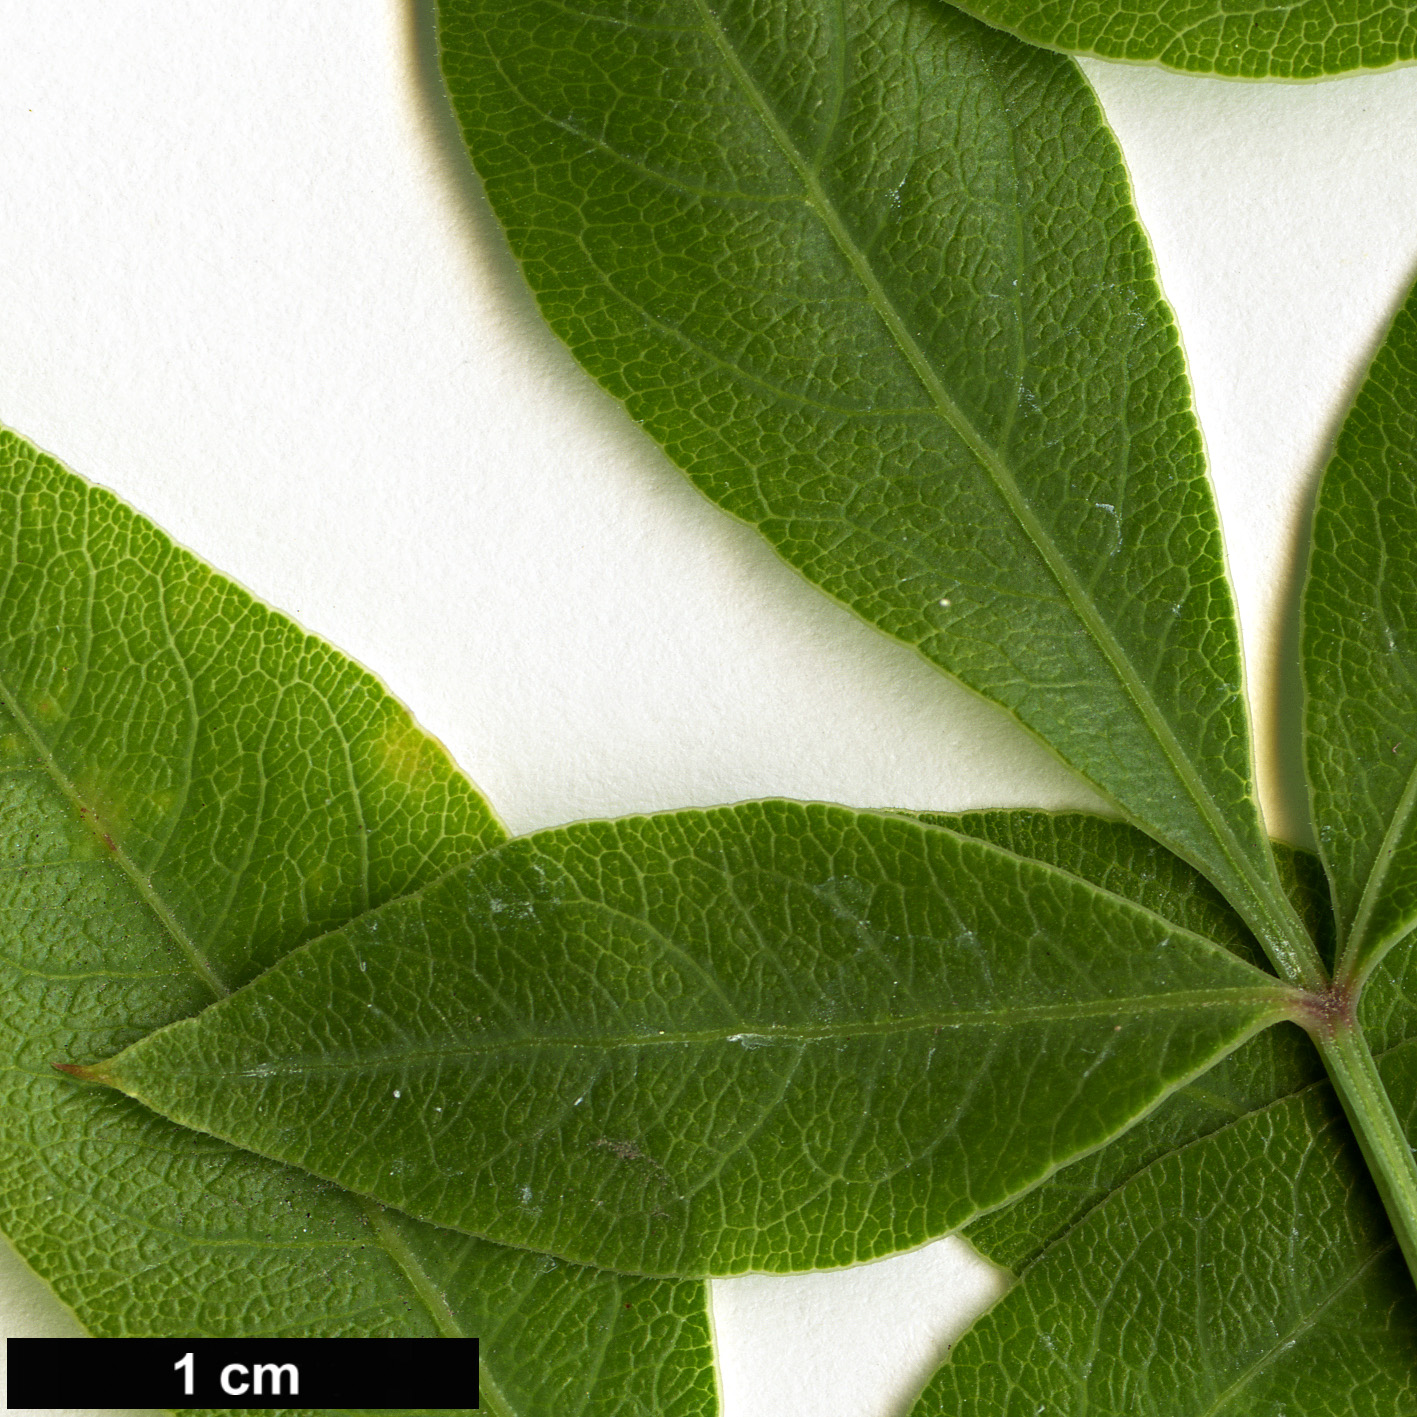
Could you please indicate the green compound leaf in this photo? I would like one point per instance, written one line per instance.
(1266, 39)
(871, 275)
(189, 786)
(771, 1036)
(1226, 1256)
(1359, 657)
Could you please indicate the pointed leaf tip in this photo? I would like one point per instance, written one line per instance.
(91, 1072)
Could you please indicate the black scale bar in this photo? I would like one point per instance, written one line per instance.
(252, 1373)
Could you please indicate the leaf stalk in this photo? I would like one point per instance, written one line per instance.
(1332, 1022)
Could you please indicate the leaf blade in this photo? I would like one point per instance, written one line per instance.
(732, 221)
(1359, 659)
(116, 654)
(1308, 40)
(1198, 1299)
(614, 1040)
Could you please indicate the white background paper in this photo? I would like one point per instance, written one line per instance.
(248, 281)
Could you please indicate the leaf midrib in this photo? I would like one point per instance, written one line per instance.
(1007, 486)
(1237, 1118)
(393, 1244)
(1278, 1000)
(1356, 958)
(1291, 1336)
(201, 965)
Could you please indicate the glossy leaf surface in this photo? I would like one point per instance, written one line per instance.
(189, 786)
(1263, 40)
(771, 1036)
(1360, 655)
(870, 273)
